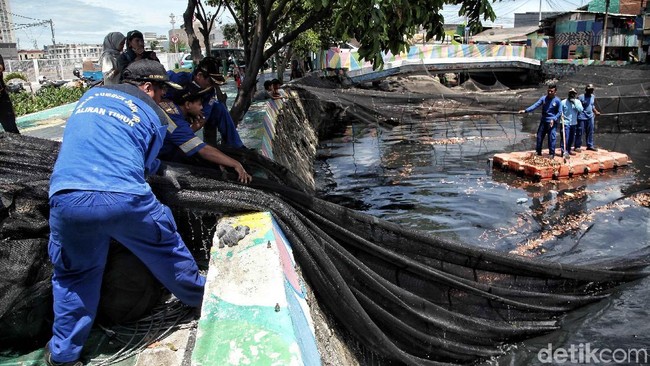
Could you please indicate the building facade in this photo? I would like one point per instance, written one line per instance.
(6, 23)
(7, 37)
(74, 52)
(153, 39)
(30, 55)
(579, 34)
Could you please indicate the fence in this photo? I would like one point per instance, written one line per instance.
(57, 69)
(33, 69)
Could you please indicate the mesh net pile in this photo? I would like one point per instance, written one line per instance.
(25, 269)
(407, 296)
(622, 95)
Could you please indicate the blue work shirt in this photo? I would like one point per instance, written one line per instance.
(550, 108)
(111, 142)
(587, 105)
(182, 138)
(215, 112)
(570, 110)
(184, 78)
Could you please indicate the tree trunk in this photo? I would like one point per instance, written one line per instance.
(245, 95)
(282, 65)
(192, 40)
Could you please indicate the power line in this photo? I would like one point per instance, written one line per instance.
(510, 10)
(22, 16)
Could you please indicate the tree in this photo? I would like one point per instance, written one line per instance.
(153, 45)
(307, 42)
(179, 47)
(378, 25)
(195, 9)
(231, 34)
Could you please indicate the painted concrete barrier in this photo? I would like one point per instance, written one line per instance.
(47, 124)
(348, 59)
(258, 129)
(430, 57)
(254, 310)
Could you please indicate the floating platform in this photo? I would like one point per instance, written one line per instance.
(527, 163)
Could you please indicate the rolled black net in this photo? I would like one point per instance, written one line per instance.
(406, 295)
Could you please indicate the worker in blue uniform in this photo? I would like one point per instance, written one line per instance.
(551, 112)
(186, 105)
(98, 192)
(571, 106)
(206, 75)
(586, 119)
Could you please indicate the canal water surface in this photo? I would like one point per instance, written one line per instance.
(436, 176)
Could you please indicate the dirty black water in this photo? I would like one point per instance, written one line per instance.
(436, 176)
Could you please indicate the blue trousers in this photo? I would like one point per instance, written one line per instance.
(544, 129)
(220, 119)
(569, 136)
(586, 125)
(82, 224)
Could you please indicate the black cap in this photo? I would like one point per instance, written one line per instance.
(191, 91)
(210, 66)
(148, 70)
(572, 91)
(134, 34)
(589, 86)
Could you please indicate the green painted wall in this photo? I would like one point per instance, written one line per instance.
(598, 6)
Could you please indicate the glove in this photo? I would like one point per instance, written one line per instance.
(171, 174)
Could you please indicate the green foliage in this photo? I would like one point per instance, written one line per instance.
(153, 45)
(378, 25)
(266, 27)
(231, 34)
(382, 26)
(44, 98)
(308, 41)
(15, 75)
(181, 46)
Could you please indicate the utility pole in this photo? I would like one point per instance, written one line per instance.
(603, 39)
(40, 22)
(172, 20)
(52, 29)
(59, 70)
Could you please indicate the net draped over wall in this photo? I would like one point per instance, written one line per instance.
(404, 294)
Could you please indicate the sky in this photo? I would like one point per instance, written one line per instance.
(88, 21)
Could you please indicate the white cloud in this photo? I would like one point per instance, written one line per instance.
(88, 21)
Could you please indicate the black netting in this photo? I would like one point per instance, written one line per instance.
(402, 293)
(476, 86)
(622, 95)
